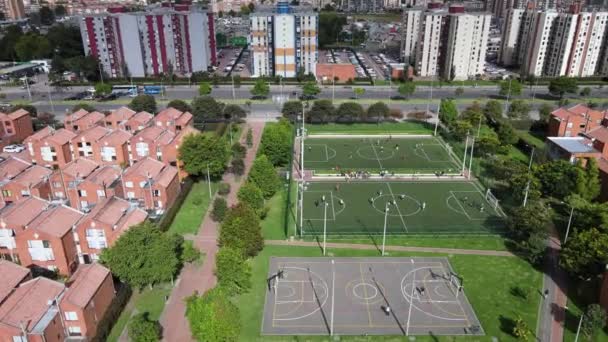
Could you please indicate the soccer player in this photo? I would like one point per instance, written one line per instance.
(423, 205)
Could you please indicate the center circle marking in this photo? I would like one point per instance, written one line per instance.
(363, 287)
(375, 153)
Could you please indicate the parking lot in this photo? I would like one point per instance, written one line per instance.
(227, 58)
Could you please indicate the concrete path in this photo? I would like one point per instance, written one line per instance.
(200, 278)
(391, 248)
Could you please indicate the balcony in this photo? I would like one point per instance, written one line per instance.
(41, 254)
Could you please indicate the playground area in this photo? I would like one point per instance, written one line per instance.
(366, 296)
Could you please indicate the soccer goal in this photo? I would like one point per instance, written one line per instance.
(493, 201)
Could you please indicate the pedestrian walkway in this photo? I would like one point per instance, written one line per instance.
(200, 278)
(392, 248)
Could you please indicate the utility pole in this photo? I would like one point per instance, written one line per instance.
(578, 330)
(464, 160)
(471, 158)
(528, 184)
(508, 97)
(208, 181)
(385, 220)
(437, 121)
(569, 223)
(333, 287)
(325, 205)
(233, 91)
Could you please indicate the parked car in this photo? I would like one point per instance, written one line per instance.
(13, 148)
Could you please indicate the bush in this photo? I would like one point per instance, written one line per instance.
(223, 189)
(238, 150)
(249, 138)
(189, 252)
(232, 271)
(264, 175)
(142, 329)
(220, 206)
(418, 115)
(396, 114)
(213, 316)
(237, 165)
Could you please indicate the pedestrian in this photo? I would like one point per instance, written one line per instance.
(341, 202)
(423, 205)
(481, 209)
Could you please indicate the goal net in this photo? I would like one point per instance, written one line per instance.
(455, 284)
(492, 199)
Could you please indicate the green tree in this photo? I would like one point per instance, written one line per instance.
(234, 113)
(518, 109)
(593, 186)
(459, 91)
(473, 114)
(585, 91)
(180, 105)
(103, 89)
(263, 175)
(557, 178)
(487, 144)
(245, 10)
(232, 271)
(237, 166)
(562, 85)
(506, 133)
(249, 138)
(292, 109)
(65, 40)
(143, 103)
(260, 89)
(47, 16)
(204, 88)
(252, 195)
(587, 214)
(460, 129)
(448, 112)
(241, 230)
(32, 46)
(321, 111)
(493, 110)
(142, 329)
(206, 108)
(350, 111)
(276, 142)
(407, 89)
(213, 317)
(378, 110)
(521, 330)
(330, 24)
(220, 207)
(310, 89)
(200, 152)
(359, 92)
(143, 255)
(593, 321)
(84, 106)
(60, 11)
(544, 112)
(236, 81)
(527, 221)
(510, 88)
(586, 253)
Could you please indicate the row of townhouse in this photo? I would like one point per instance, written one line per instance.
(121, 138)
(82, 183)
(45, 235)
(579, 133)
(40, 309)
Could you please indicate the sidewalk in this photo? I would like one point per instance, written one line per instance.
(196, 278)
(391, 248)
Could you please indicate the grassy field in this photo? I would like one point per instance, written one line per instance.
(406, 127)
(415, 207)
(393, 154)
(491, 285)
(148, 300)
(192, 211)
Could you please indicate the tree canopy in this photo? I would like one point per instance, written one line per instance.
(143, 103)
(276, 142)
(448, 111)
(260, 88)
(310, 89)
(407, 89)
(206, 108)
(241, 230)
(292, 109)
(586, 253)
(232, 271)
(562, 85)
(180, 105)
(142, 329)
(144, 255)
(510, 88)
(201, 151)
(264, 175)
(213, 317)
(204, 88)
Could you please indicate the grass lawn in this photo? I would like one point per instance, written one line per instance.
(192, 211)
(531, 139)
(411, 127)
(148, 300)
(580, 295)
(489, 283)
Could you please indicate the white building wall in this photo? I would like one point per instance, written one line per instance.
(285, 45)
(428, 49)
(510, 37)
(467, 45)
(536, 49)
(199, 35)
(260, 45)
(308, 44)
(588, 40)
(131, 42)
(560, 44)
(410, 31)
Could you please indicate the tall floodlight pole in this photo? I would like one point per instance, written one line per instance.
(464, 160)
(384, 232)
(302, 209)
(233, 91)
(390, 87)
(508, 97)
(578, 330)
(471, 158)
(430, 97)
(303, 133)
(569, 223)
(208, 181)
(528, 184)
(27, 86)
(325, 205)
(437, 121)
(333, 287)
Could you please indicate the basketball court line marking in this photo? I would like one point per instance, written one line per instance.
(398, 210)
(369, 313)
(331, 194)
(326, 292)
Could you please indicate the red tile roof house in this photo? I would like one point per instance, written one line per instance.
(82, 144)
(16, 126)
(108, 220)
(41, 233)
(33, 181)
(90, 291)
(173, 119)
(83, 120)
(150, 142)
(45, 310)
(113, 148)
(570, 122)
(138, 122)
(66, 180)
(9, 169)
(49, 147)
(152, 184)
(117, 118)
(100, 184)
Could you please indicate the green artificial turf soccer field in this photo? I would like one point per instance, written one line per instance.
(424, 207)
(392, 154)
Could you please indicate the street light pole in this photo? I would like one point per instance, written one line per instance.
(384, 232)
(508, 96)
(325, 205)
(464, 160)
(208, 181)
(233, 92)
(578, 330)
(333, 287)
(569, 223)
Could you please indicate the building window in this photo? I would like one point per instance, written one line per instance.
(74, 331)
(82, 193)
(130, 195)
(142, 149)
(19, 339)
(101, 193)
(129, 184)
(56, 185)
(71, 316)
(6, 193)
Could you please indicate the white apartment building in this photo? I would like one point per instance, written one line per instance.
(283, 40)
(555, 44)
(451, 44)
(466, 45)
